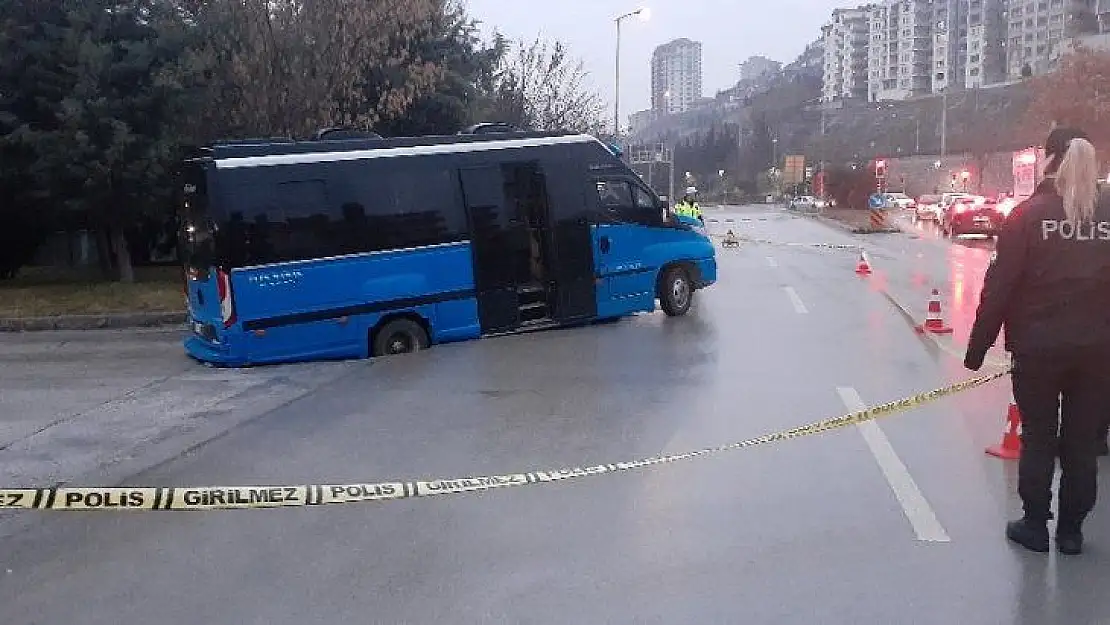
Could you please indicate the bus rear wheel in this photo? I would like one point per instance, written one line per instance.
(676, 292)
(399, 336)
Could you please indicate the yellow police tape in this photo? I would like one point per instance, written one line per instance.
(124, 498)
(736, 238)
(831, 246)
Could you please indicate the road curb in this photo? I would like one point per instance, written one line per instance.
(847, 228)
(91, 322)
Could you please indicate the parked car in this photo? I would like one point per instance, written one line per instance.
(899, 200)
(972, 215)
(803, 202)
(927, 208)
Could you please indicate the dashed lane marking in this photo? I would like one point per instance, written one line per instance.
(917, 509)
(796, 300)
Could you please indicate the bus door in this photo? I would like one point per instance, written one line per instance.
(628, 213)
(492, 229)
(572, 261)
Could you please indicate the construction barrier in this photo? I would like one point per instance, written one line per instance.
(878, 219)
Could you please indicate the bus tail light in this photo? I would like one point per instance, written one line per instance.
(227, 305)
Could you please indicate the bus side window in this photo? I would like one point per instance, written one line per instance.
(300, 227)
(398, 203)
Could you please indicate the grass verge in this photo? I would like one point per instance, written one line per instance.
(52, 292)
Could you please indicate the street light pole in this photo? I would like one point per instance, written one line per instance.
(644, 14)
(617, 85)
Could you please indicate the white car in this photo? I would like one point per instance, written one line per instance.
(928, 208)
(807, 201)
(899, 200)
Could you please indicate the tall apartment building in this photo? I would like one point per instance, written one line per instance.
(1038, 28)
(845, 49)
(757, 67)
(900, 50)
(676, 76)
(949, 44)
(985, 57)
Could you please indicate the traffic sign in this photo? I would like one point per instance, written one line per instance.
(876, 201)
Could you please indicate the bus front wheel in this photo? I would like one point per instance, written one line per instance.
(676, 292)
(399, 336)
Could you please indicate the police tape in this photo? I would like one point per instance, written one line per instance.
(730, 220)
(748, 239)
(831, 246)
(124, 498)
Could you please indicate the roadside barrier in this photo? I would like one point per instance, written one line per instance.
(934, 318)
(1010, 446)
(863, 265)
(190, 498)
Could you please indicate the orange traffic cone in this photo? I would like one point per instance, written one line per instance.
(863, 267)
(1010, 447)
(934, 320)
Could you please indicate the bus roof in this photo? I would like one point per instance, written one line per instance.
(230, 156)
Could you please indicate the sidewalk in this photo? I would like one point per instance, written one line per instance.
(92, 322)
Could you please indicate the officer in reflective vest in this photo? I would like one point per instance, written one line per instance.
(687, 207)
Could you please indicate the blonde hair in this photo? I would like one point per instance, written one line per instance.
(1077, 180)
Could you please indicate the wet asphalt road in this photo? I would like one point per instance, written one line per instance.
(893, 525)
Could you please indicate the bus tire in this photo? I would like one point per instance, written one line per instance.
(398, 336)
(676, 291)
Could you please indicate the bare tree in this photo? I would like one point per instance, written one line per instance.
(541, 86)
(1077, 94)
(289, 67)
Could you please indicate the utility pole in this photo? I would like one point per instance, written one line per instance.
(644, 14)
(617, 88)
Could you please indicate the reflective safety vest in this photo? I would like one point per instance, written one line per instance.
(688, 209)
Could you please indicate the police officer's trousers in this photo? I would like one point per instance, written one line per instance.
(1064, 398)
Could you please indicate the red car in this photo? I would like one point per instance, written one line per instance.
(974, 215)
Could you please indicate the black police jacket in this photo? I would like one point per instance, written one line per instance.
(1048, 281)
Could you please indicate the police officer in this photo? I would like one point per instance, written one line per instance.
(687, 207)
(1049, 284)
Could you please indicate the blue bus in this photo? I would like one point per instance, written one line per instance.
(328, 249)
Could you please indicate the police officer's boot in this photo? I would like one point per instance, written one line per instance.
(1069, 538)
(1033, 535)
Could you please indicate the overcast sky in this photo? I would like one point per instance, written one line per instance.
(729, 30)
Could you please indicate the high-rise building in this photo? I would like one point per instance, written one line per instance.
(918, 47)
(676, 76)
(985, 55)
(901, 48)
(949, 44)
(757, 67)
(1038, 28)
(844, 39)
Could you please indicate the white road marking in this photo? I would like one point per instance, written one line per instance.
(772, 262)
(799, 307)
(917, 509)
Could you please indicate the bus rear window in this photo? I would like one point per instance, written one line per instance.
(196, 234)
